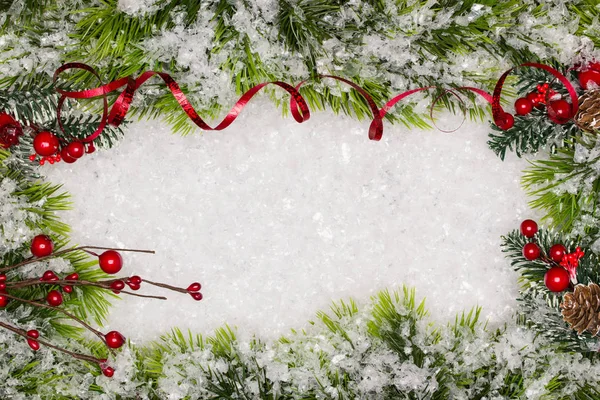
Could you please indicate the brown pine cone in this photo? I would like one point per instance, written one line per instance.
(588, 116)
(581, 308)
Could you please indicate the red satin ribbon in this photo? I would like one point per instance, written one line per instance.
(499, 114)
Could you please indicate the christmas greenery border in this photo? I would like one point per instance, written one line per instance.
(387, 348)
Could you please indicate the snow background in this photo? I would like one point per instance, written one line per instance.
(278, 219)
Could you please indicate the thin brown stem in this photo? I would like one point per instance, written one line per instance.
(164, 285)
(23, 333)
(63, 252)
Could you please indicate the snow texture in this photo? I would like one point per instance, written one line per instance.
(277, 219)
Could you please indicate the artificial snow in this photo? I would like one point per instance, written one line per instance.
(278, 219)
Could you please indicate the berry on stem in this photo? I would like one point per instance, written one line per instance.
(35, 346)
(534, 99)
(114, 339)
(45, 143)
(49, 276)
(196, 295)
(194, 287)
(561, 109)
(529, 228)
(116, 286)
(3, 301)
(72, 277)
(54, 298)
(66, 157)
(506, 121)
(556, 279)
(110, 262)
(531, 251)
(75, 149)
(108, 372)
(135, 279)
(33, 333)
(557, 252)
(42, 246)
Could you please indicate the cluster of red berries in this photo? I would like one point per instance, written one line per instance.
(559, 109)
(47, 146)
(562, 265)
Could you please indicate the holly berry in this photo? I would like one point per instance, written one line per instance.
(2, 287)
(523, 106)
(110, 262)
(531, 251)
(3, 278)
(196, 295)
(114, 339)
(67, 289)
(66, 157)
(108, 372)
(561, 109)
(557, 252)
(45, 143)
(556, 279)
(589, 79)
(75, 149)
(33, 333)
(133, 286)
(49, 276)
(529, 228)
(42, 246)
(72, 277)
(3, 300)
(194, 287)
(535, 100)
(54, 298)
(506, 121)
(90, 149)
(135, 279)
(116, 286)
(35, 346)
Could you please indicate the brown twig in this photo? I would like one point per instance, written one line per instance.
(164, 285)
(62, 252)
(23, 333)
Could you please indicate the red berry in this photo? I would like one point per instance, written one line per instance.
(33, 344)
(534, 99)
(556, 279)
(110, 262)
(42, 246)
(523, 106)
(589, 79)
(49, 276)
(33, 333)
(2, 287)
(559, 111)
(116, 286)
(114, 339)
(67, 289)
(72, 277)
(506, 121)
(66, 157)
(54, 298)
(529, 228)
(557, 252)
(108, 372)
(75, 149)
(90, 149)
(194, 287)
(2, 278)
(45, 143)
(135, 279)
(196, 295)
(3, 301)
(531, 251)
(133, 286)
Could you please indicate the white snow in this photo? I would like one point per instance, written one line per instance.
(277, 219)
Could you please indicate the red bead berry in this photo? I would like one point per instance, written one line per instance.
(108, 372)
(557, 252)
(531, 251)
(3, 301)
(110, 262)
(35, 346)
(2, 287)
(67, 289)
(114, 339)
(523, 106)
(133, 286)
(72, 277)
(556, 279)
(49, 276)
(534, 99)
(33, 333)
(194, 287)
(54, 298)
(196, 295)
(66, 157)
(561, 111)
(45, 143)
(3, 278)
(529, 228)
(589, 79)
(90, 149)
(135, 279)
(42, 246)
(506, 121)
(117, 286)
(32, 157)
(75, 149)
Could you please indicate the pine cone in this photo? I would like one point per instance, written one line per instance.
(581, 309)
(588, 116)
